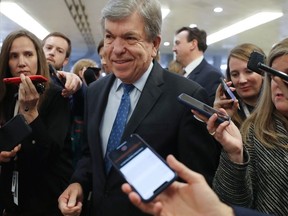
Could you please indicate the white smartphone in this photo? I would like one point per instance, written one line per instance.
(142, 167)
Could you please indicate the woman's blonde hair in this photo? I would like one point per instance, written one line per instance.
(80, 64)
(263, 117)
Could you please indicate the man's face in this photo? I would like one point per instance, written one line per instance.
(182, 48)
(128, 52)
(103, 61)
(55, 49)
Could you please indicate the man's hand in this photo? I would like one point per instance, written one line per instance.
(72, 84)
(70, 201)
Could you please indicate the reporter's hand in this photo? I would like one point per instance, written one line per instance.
(192, 198)
(231, 106)
(73, 83)
(5, 156)
(70, 201)
(228, 135)
(28, 98)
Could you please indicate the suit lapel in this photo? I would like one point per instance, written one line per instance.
(150, 94)
(196, 71)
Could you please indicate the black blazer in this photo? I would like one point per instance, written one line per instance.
(168, 126)
(208, 77)
(44, 162)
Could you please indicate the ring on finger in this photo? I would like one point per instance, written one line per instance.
(212, 133)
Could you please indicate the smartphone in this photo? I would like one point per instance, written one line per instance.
(14, 132)
(202, 108)
(142, 167)
(256, 63)
(17, 80)
(53, 73)
(227, 91)
(91, 74)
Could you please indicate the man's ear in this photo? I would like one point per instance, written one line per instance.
(156, 44)
(65, 61)
(194, 44)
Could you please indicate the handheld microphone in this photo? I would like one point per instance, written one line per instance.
(256, 63)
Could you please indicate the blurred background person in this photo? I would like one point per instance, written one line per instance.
(189, 47)
(176, 67)
(57, 49)
(80, 68)
(100, 50)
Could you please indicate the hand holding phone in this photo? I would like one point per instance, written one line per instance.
(13, 132)
(227, 91)
(202, 108)
(37, 80)
(17, 80)
(142, 167)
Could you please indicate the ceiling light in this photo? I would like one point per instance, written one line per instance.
(218, 10)
(193, 25)
(22, 18)
(245, 24)
(165, 12)
(166, 43)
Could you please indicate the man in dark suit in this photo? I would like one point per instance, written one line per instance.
(131, 43)
(190, 45)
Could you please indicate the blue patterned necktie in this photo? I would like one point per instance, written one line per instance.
(119, 123)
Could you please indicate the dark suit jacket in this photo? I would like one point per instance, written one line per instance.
(239, 211)
(208, 77)
(164, 123)
(44, 162)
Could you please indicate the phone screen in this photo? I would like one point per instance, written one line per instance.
(142, 167)
(202, 108)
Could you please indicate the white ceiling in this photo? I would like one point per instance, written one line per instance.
(54, 15)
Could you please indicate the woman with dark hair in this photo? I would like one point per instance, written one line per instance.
(34, 173)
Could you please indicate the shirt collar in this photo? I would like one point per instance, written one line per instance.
(139, 84)
(190, 67)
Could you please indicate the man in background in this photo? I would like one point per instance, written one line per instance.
(190, 45)
(57, 49)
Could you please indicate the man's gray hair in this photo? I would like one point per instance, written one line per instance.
(149, 10)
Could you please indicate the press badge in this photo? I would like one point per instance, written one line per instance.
(14, 187)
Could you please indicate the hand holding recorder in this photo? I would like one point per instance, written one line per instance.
(256, 63)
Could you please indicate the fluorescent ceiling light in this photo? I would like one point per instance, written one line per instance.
(22, 18)
(165, 12)
(246, 24)
(193, 25)
(166, 43)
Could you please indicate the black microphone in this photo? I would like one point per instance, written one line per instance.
(256, 63)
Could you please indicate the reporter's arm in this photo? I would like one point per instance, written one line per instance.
(192, 198)
(72, 84)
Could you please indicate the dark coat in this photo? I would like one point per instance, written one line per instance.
(164, 123)
(44, 162)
